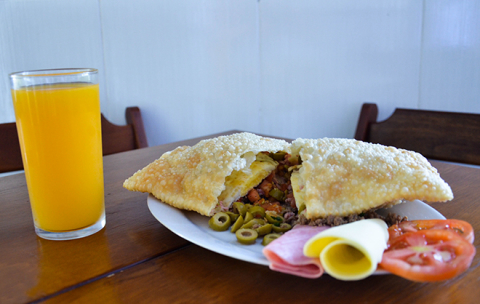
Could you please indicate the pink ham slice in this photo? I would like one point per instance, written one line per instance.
(285, 254)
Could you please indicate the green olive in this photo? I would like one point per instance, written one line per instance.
(265, 229)
(278, 194)
(248, 206)
(239, 207)
(257, 211)
(269, 238)
(280, 155)
(220, 221)
(238, 224)
(283, 227)
(253, 222)
(233, 216)
(246, 236)
(248, 217)
(273, 218)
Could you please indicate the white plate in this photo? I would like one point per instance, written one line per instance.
(194, 228)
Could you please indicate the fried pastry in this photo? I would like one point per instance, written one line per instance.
(211, 175)
(317, 177)
(344, 176)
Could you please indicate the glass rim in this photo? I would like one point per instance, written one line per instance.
(53, 72)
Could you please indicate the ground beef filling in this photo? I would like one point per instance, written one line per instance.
(391, 219)
(275, 194)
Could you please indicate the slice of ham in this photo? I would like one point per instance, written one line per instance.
(285, 254)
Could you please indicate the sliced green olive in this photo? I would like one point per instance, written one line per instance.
(220, 221)
(283, 227)
(280, 155)
(273, 218)
(277, 194)
(238, 224)
(239, 207)
(253, 222)
(246, 236)
(233, 216)
(247, 217)
(248, 206)
(257, 211)
(269, 238)
(265, 229)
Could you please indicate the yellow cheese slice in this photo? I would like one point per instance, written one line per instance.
(352, 251)
(297, 187)
(239, 183)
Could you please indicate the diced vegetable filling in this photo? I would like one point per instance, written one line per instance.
(269, 209)
(275, 194)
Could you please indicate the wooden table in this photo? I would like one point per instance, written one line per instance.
(135, 259)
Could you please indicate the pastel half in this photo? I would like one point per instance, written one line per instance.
(209, 176)
(345, 176)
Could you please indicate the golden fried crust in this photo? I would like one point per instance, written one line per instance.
(346, 176)
(192, 178)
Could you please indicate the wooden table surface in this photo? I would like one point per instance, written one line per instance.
(135, 259)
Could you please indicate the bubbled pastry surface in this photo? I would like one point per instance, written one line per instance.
(192, 178)
(346, 176)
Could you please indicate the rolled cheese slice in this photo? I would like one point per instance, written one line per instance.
(351, 251)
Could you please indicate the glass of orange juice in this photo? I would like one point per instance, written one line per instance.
(59, 127)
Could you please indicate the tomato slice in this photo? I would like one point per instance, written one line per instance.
(462, 228)
(428, 255)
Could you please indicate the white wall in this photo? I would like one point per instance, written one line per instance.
(281, 67)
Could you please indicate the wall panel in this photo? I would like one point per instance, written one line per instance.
(191, 66)
(451, 56)
(322, 59)
(287, 68)
(47, 34)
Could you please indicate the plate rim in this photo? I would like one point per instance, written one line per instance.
(199, 235)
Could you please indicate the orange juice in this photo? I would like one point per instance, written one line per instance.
(59, 129)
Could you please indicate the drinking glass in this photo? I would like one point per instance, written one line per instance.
(59, 127)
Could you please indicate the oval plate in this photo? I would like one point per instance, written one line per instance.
(194, 228)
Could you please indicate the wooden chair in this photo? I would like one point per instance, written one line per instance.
(438, 135)
(132, 136)
(115, 139)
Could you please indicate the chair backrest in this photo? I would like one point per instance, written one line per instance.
(115, 139)
(10, 155)
(438, 135)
